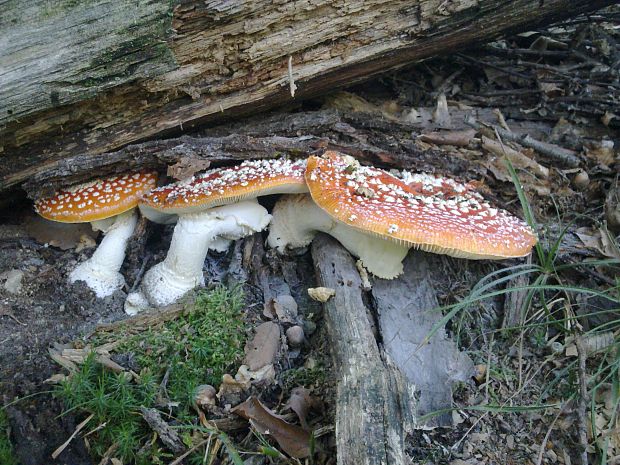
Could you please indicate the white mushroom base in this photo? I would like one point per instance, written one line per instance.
(297, 219)
(194, 234)
(101, 271)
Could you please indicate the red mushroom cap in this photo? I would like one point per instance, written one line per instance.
(96, 200)
(435, 215)
(229, 185)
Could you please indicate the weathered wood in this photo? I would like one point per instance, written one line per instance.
(405, 320)
(91, 77)
(343, 131)
(375, 406)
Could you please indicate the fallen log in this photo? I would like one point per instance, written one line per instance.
(92, 77)
(375, 406)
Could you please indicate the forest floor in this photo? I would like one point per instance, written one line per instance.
(544, 339)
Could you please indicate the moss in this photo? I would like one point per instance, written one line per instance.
(196, 348)
(6, 449)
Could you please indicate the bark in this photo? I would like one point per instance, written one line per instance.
(91, 77)
(367, 136)
(375, 406)
(405, 319)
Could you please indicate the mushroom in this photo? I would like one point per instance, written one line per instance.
(109, 205)
(421, 211)
(213, 208)
(297, 219)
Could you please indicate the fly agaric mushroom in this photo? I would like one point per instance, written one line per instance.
(213, 208)
(421, 211)
(297, 219)
(109, 205)
(442, 217)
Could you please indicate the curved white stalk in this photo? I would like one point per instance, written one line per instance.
(193, 235)
(297, 219)
(101, 270)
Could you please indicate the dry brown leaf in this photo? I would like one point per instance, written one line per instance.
(294, 440)
(599, 240)
(263, 348)
(187, 167)
(601, 151)
(301, 402)
(346, 101)
(517, 158)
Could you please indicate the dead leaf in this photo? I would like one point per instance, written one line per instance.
(601, 151)
(187, 167)
(263, 347)
(247, 377)
(56, 379)
(612, 208)
(517, 158)
(294, 440)
(599, 240)
(321, 294)
(346, 101)
(231, 391)
(65, 236)
(301, 402)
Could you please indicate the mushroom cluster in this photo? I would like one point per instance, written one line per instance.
(376, 215)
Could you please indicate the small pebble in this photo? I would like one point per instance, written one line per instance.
(13, 283)
(295, 335)
(581, 180)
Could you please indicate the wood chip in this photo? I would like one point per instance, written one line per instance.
(321, 294)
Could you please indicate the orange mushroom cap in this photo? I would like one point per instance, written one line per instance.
(96, 200)
(224, 186)
(433, 214)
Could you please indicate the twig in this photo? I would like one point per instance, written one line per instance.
(108, 453)
(180, 458)
(581, 405)
(291, 81)
(543, 445)
(58, 451)
(555, 152)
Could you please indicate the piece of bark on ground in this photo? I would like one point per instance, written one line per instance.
(375, 406)
(404, 307)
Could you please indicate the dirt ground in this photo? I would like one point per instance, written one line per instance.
(539, 84)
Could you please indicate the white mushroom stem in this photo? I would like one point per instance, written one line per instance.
(193, 235)
(297, 219)
(101, 270)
